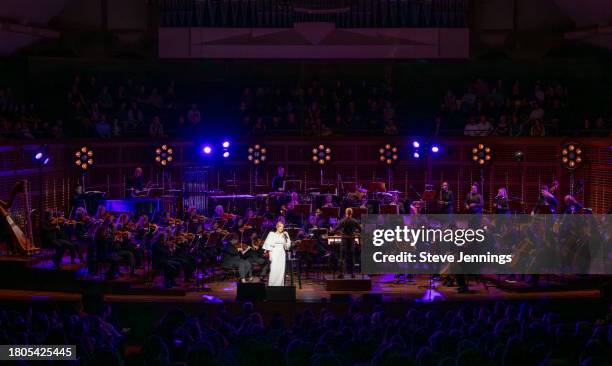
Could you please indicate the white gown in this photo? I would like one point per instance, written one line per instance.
(277, 244)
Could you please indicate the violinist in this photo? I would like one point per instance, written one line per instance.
(233, 257)
(162, 260)
(103, 241)
(255, 255)
(54, 237)
(180, 250)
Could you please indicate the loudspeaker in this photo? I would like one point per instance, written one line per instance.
(251, 291)
(280, 293)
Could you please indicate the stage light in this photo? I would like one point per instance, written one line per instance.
(389, 154)
(321, 154)
(225, 144)
(571, 156)
(84, 158)
(163, 155)
(226, 154)
(482, 154)
(207, 149)
(416, 155)
(416, 144)
(42, 155)
(435, 149)
(257, 154)
(519, 156)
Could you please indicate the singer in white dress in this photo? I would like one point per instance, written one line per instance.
(276, 243)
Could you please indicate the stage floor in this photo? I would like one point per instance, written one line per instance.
(313, 290)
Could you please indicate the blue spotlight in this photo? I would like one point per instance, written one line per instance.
(38, 156)
(416, 155)
(46, 161)
(226, 154)
(207, 149)
(225, 144)
(435, 149)
(416, 144)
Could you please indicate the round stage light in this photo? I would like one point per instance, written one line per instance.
(84, 158)
(389, 154)
(207, 149)
(571, 156)
(163, 155)
(225, 144)
(257, 154)
(416, 155)
(226, 154)
(321, 154)
(416, 144)
(482, 154)
(435, 149)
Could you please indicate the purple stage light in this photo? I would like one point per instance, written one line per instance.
(416, 144)
(38, 156)
(416, 155)
(226, 154)
(207, 150)
(225, 144)
(435, 148)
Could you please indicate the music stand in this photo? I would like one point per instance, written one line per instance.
(389, 210)
(292, 186)
(349, 186)
(328, 212)
(429, 195)
(293, 232)
(358, 211)
(375, 187)
(302, 210)
(328, 189)
(256, 222)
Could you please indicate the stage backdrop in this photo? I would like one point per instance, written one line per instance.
(318, 40)
(352, 160)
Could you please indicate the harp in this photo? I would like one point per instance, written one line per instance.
(23, 241)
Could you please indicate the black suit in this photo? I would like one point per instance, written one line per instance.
(232, 259)
(348, 227)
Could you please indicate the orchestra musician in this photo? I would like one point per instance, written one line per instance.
(279, 180)
(233, 257)
(546, 199)
(255, 255)
(277, 242)
(219, 212)
(348, 227)
(329, 201)
(572, 205)
(162, 259)
(136, 183)
(55, 237)
(473, 200)
(446, 199)
(500, 202)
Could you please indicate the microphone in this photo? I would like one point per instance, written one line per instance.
(285, 236)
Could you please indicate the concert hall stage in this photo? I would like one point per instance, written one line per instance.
(67, 284)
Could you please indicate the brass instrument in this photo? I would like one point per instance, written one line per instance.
(24, 242)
